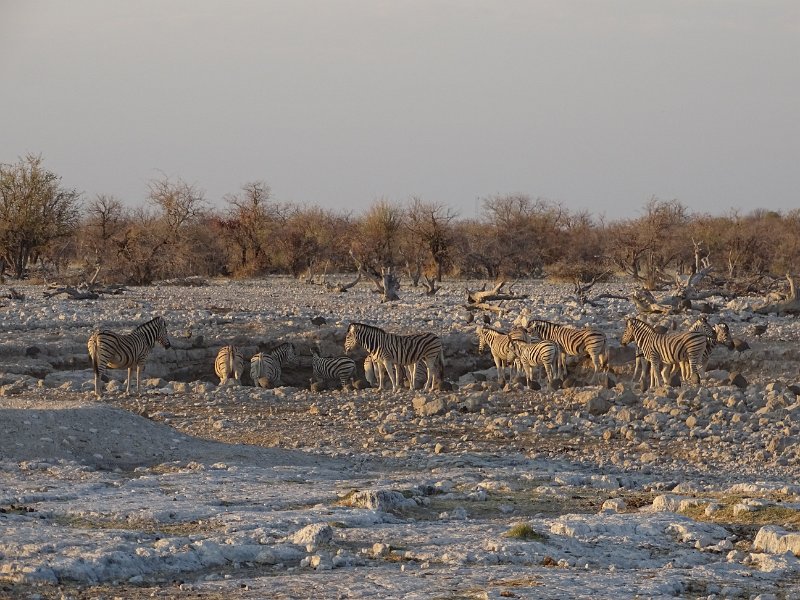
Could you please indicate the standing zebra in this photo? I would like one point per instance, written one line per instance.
(715, 334)
(664, 350)
(574, 342)
(544, 353)
(501, 346)
(417, 383)
(229, 364)
(393, 350)
(332, 368)
(266, 367)
(120, 351)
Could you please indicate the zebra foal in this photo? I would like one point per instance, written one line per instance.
(332, 368)
(574, 342)
(229, 364)
(502, 347)
(532, 355)
(110, 350)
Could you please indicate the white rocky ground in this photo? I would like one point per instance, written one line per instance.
(192, 490)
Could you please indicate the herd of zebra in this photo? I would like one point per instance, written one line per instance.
(541, 344)
(530, 345)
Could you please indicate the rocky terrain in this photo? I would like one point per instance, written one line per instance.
(195, 490)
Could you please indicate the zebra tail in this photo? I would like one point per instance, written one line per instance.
(94, 356)
(441, 364)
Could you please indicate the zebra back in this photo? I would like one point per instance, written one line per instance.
(284, 353)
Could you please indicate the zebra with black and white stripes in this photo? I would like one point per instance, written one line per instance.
(266, 367)
(397, 351)
(664, 350)
(110, 350)
(715, 335)
(417, 383)
(574, 342)
(229, 364)
(500, 345)
(533, 355)
(333, 368)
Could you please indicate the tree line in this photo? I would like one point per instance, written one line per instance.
(50, 229)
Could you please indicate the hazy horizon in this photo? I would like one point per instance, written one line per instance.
(598, 105)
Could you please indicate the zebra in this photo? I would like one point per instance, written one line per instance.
(420, 376)
(544, 353)
(519, 334)
(332, 368)
(715, 334)
(501, 346)
(662, 350)
(108, 349)
(266, 367)
(574, 342)
(392, 350)
(229, 364)
(265, 370)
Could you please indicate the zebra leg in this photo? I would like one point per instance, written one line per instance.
(500, 372)
(548, 370)
(130, 374)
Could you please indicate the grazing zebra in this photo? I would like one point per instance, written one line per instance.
(544, 353)
(395, 351)
(501, 346)
(664, 350)
(265, 370)
(574, 342)
(229, 364)
(120, 351)
(266, 367)
(333, 368)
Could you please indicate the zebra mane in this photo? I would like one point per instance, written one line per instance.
(485, 327)
(159, 321)
(365, 326)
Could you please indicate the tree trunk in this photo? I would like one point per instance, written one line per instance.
(390, 285)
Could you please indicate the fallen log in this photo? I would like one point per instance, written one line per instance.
(790, 305)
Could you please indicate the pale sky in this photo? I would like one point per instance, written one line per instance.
(597, 104)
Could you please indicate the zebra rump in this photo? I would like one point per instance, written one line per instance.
(229, 364)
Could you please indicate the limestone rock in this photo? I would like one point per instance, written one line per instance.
(775, 540)
(315, 534)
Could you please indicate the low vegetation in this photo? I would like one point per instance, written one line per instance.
(173, 231)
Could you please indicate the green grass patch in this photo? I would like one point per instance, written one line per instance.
(523, 531)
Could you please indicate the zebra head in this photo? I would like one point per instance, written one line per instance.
(350, 341)
(723, 335)
(481, 338)
(627, 336)
(155, 330)
(162, 338)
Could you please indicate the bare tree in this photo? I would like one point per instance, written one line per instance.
(430, 223)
